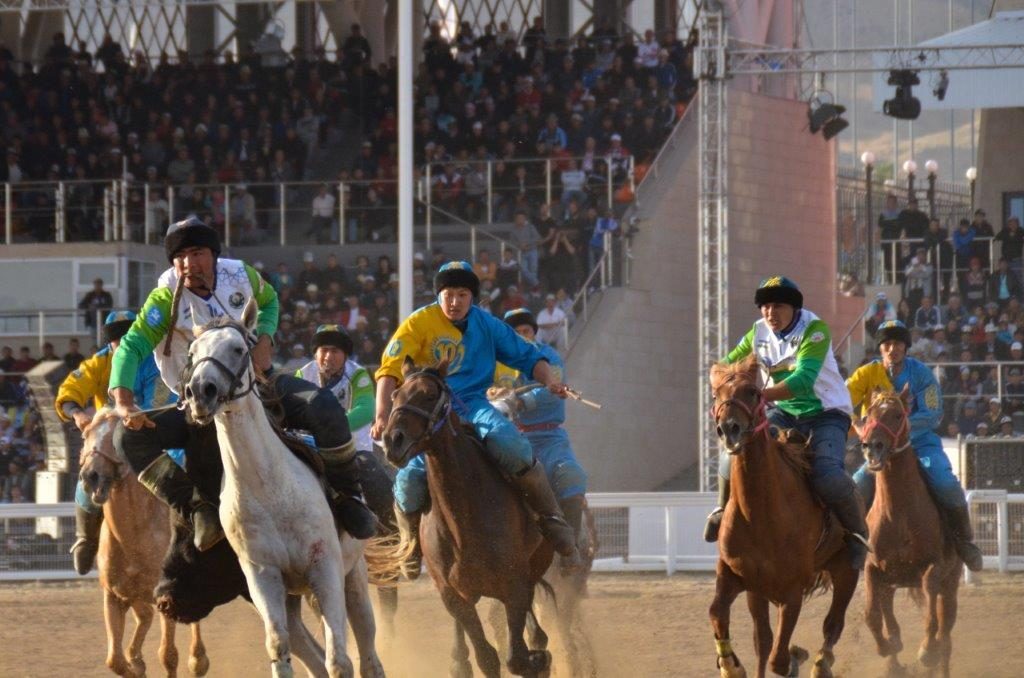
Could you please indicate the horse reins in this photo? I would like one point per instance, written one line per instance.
(756, 414)
(896, 435)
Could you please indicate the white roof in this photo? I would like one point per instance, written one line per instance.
(970, 88)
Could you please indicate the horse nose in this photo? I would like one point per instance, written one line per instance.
(394, 441)
(210, 391)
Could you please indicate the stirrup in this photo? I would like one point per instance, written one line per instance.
(862, 539)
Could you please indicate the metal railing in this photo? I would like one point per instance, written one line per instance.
(50, 323)
(1000, 378)
(247, 212)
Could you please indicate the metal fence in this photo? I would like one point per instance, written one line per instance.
(50, 323)
(357, 210)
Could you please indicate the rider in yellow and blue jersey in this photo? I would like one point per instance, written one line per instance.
(541, 415)
(892, 372)
(472, 340)
(88, 383)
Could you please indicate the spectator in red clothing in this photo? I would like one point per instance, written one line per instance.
(25, 361)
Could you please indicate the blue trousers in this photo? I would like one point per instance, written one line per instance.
(827, 431)
(554, 451)
(938, 473)
(501, 439)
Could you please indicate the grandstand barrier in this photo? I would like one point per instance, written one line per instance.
(637, 532)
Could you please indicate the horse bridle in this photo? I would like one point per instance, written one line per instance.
(756, 414)
(120, 465)
(896, 435)
(437, 417)
(235, 376)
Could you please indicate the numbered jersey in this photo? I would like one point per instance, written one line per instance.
(802, 359)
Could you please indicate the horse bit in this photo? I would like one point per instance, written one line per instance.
(438, 416)
(234, 376)
(865, 432)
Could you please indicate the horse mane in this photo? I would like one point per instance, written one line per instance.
(881, 397)
(103, 414)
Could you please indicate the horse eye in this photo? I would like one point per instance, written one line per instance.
(238, 351)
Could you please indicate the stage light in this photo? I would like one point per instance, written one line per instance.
(941, 86)
(825, 116)
(904, 105)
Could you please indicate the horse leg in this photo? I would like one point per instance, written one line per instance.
(168, 653)
(537, 638)
(198, 662)
(947, 610)
(387, 602)
(304, 646)
(113, 614)
(875, 600)
(468, 621)
(929, 652)
(758, 606)
(727, 587)
(521, 660)
(143, 620)
(460, 667)
(326, 581)
(789, 613)
(360, 618)
(266, 587)
(844, 583)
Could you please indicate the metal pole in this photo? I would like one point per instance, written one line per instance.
(490, 191)
(106, 215)
(611, 189)
(98, 324)
(149, 216)
(632, 179)
(910, 41)
(8, 213)
(868, 171)
(430, 210)
(42, 330)
(853, 82)
(227, 216)
(124, 209)
(472, 243)
(973, 181)
(895, 123)
(281, 213)
(406, 73)
(341, 212)
(62, 223)
(170, 204)
(931, 195)
(547, 180)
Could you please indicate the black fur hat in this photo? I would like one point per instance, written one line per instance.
(190, 232)
(457, 274)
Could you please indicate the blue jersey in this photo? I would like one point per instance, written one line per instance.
(541, 406)
(427, 336)
(926, 398)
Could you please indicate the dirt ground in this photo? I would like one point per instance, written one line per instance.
(639, 625)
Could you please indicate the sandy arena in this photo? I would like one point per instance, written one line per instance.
(639, 625)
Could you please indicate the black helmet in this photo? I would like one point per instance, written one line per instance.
(457, 274)
(333, 335)
(778, 289)
(190, 232)
(892, 330)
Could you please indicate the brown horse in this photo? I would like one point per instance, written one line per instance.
(910, 549)
(776, 542)
(135, 534)
(478, 538)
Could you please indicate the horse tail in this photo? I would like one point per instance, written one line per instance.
(384, 557)
(548, 589)
(916, 594)
(822, 584)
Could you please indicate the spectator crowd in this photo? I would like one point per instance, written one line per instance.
(962, 298)
(21, 435)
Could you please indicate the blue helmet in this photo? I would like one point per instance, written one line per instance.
(117, 325)
(521, 316)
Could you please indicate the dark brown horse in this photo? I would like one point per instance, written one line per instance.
(909, 547)
(776, 542)
(478, 538)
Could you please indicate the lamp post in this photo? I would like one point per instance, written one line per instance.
(910, 167)
(932, 168)
(868, 159)
(972, 177)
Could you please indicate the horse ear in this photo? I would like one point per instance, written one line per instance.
(442, 367)
(762, 375)
(407, 366)
(858, 426)
(905, 394)
(717, 374)
(250, 314)
(197, 328)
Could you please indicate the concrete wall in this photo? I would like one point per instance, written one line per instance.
(638, 355)
(1000, 149)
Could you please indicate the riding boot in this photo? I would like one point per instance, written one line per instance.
(851, 516)
(572, 509)
(342, 470)
(959, 521)
(533, 483)
(715, 518)
(169, 483)
(87, 538)
(409, 531)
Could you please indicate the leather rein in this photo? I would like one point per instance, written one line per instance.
(438, 416)
(757, 414)
(897, 435)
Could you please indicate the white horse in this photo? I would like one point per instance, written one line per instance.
(273, 509)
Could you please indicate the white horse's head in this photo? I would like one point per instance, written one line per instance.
(219, 369)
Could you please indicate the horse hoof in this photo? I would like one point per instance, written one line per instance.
(928, 657)
(137, 667)
(540, 660)
(821, 670)
(198, 666)
(461, 670)
(730, 667)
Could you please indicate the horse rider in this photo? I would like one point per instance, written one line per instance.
(806, 393)
(89, 383)
(540, 418)
(334, 369)
(892, 372)
(209, 287)
(472, 340)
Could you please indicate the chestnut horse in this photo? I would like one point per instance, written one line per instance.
(133, 540)
(478, 538)
(776, 541)
(910, 549)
